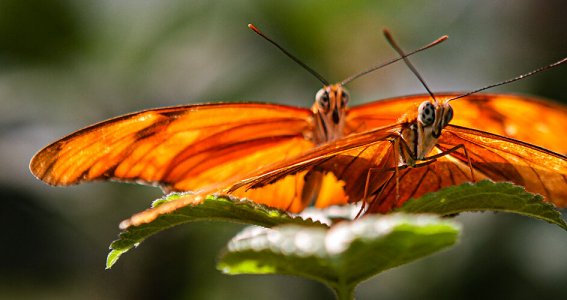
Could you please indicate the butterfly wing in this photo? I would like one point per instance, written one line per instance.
(344, 163)
(504, 159)
(529, 119)
(364, 164)
(492, 156)
(286, 193)
(415, 182)
(180, 148)
(348, 159)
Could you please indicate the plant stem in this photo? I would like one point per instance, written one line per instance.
(343, 291)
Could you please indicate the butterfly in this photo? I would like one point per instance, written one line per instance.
(422, 151)
(202, 147)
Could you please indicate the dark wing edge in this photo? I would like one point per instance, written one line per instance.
(124, 131)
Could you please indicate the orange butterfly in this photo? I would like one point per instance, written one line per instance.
(419, 153)
(363, 165)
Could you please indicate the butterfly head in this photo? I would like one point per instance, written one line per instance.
(423, 131)
(434, 115)
(330, 110)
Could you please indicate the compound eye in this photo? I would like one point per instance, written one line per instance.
(323, 99)
(426, 113)
(345, 98)
(448, 116)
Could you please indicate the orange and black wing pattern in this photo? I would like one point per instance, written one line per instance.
(349, 159)
(529, 119)
(344, 163)
(364, 166)
(179, 148)
(491, 156)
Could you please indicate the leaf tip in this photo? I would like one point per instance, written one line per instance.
(112, 258)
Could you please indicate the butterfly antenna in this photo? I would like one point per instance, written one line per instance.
(295, 59)
(398, 49)
(555, 64)
(403, 56)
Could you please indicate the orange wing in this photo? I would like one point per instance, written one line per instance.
(181, 148)
(345, 162)
(350, 159)
(492, 156)
(283, 195)
(529, 119)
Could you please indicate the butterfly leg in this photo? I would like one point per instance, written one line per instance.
(369, 174)
(410, 162)
(366, 187)
(399, 162)
(395, 157)
(378, 195)
(364, 199)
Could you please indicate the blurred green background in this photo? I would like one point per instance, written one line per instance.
(67, 64)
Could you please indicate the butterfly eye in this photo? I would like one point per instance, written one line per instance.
(426, 113)
(345, 97)
(323, 99)
(448, 116)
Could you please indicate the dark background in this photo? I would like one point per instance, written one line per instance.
(66, 64)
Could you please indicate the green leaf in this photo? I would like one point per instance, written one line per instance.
(341, 256)
(213, 208)
(486, 195)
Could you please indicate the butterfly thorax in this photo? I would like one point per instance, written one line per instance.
(329, 113)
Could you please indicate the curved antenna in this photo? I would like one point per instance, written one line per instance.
(552, 65)
(398, 49)
(306, 67)
(376, 67)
